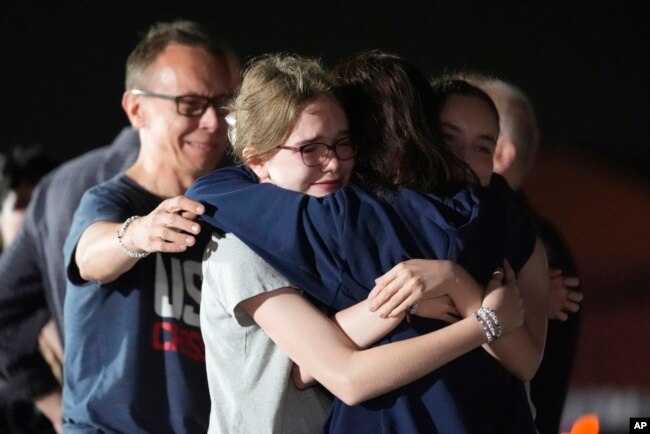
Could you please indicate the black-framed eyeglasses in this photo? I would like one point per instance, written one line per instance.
(191, 105)
(316, 153)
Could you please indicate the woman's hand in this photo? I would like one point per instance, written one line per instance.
(563, 300)
(409, 282)
(441, 308)
(502, 296)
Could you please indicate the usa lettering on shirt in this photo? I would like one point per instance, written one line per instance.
(177, 301)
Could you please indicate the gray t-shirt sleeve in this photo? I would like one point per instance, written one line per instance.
(239, 273)
(249, 376)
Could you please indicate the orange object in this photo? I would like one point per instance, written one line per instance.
(586, 424)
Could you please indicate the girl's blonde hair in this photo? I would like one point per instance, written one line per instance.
(274, 90)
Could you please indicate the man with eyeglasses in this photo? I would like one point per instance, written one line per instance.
(134, 359)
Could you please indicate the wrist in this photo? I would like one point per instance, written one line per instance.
(489, 321)
(125, 241)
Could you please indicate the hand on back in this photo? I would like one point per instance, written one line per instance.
(168, 228)
(563, 300)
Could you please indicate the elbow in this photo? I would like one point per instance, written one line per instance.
(350, 396)
(88, 276)
(351, 389)
(86, 270)
(90, 272)
(525, 375)
(526, 372)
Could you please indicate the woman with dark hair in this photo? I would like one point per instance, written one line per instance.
(468, 122)
(335, 246)
(394, 127)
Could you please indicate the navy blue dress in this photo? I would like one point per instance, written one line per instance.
(335, 246)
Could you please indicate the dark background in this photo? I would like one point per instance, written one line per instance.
(584, 64)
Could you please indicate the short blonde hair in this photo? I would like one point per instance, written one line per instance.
(274, 90)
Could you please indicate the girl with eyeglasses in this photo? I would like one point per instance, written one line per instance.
(335, 254)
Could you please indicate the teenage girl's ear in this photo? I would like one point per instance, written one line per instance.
(504, 155)
(133, 110)
(255, 163)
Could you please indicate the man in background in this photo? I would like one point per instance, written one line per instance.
(20, 171)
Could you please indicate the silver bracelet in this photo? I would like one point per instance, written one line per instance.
(486, 328)
(493, 319)
(412, 311)
(120, 234)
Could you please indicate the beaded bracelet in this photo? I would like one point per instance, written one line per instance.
(486, 328)
(412, 311)
(490, 323)
(495, 320)
(120, 234)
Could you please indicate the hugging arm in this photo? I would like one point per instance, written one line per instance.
(361, 326)
(322, 348)
(316, 343)
(168, 228)
(419, 279)
(320, 242)
(521, 351)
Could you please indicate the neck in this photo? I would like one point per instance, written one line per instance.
(160, 179)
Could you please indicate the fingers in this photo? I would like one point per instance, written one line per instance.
(180, 204)
(384, 280)
(454, 312)
(509, 273)
(570, 281)
(381, 282)
(382, 292)
(395, 299)
(554, 272)
(399, 271)
(575, 296)
(569, 303)
(496, 280)
(169, 238)
(570, 306)
(561, 316)
(176, 222)
(397, 310)
(441, 308)
(395, 291)
(572, 301)
(170, 228)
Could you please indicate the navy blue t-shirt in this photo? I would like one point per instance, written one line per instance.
(335, 246)
(134, 359)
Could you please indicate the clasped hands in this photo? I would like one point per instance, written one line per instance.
(445, 291)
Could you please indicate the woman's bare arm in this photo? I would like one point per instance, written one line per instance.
(314, 341)
(521, 351)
